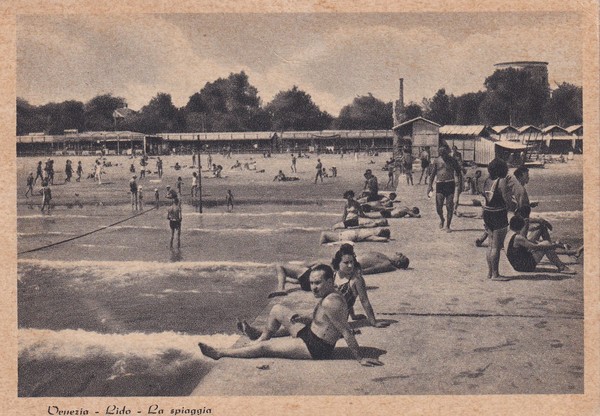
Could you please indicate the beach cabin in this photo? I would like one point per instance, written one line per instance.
(557, 140)
(531, 137)
(576, 132)
(85, 143)
(419, 133)
(245, 142)
(465, 138)
(505, 132)
(336, 140)
(488, 149)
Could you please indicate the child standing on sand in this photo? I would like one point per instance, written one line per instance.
(229, 200)
(156, 197)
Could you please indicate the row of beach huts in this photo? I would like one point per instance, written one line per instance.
(477, 143)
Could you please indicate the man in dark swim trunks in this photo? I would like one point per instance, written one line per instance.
(315, 340)
(446, 172)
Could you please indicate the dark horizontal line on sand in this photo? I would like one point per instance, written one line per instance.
(479, 315)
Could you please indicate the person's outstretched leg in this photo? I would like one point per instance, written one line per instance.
(293, 348)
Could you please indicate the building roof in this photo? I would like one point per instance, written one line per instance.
(406, 123)
(572, 129)
(218, 136)
(522, 63)
(476, 130)
(510, 145)
(503, 129)
(523, 129)
(123, 112)
(553, 127)
(336, 134)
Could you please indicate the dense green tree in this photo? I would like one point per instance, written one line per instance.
(365, 113)
(520, 96)
(437, 109)
(412, 110)
(465, 108)
(294, 109)
(228, 104)
(160, 115)
(98, 112)
(29, 118)
(565, 106)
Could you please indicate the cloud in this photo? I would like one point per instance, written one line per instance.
(332, 59)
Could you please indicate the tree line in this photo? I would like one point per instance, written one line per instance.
(233, 104)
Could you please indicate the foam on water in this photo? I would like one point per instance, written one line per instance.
(43, 233)
(125, 273)
(264, 214)
(160, 353)
(230, 230)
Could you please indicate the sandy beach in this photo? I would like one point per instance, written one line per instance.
(452, 331)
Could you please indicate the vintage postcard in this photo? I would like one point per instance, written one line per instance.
(269, 207)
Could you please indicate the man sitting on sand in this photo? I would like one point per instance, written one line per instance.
(315, 340)
(371, 262)
(524, 255)
(376, 235)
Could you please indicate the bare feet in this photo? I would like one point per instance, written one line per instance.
(441, 224)
(209, 351)
(447, 229)
(566, 270)
(499, 279)
(246, 329)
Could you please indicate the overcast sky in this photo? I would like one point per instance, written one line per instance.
(333, 57)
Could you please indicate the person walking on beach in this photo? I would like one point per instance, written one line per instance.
(156, 198)
(39, 173)
(425, 162)
(319, 169)
(79, 171)
(46, 195)
(30, 182)
(68, 171)
(309, 338)
(174, 217)
(133, 189)
(498, 200)
(229, 200)
(293, 163)
(159, 167)
(444, 170)
(194, 191)
(179, 184)
(407, 161)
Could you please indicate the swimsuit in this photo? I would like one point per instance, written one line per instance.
(445, 188)
(495, 214)
(520, 258)
(347, 293)
(318, 348)
(175, 224)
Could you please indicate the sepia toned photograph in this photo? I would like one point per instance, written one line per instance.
(300, 204)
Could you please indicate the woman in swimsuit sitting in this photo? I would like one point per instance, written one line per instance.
(351, 284)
